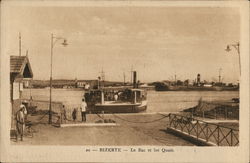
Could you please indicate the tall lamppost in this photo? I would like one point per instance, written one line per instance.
(237, 48)
(53, 42)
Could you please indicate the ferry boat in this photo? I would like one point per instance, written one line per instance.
(116, 99)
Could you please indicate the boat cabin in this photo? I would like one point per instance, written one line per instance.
(115, 95)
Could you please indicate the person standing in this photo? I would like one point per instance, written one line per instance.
(24, 106)
(83, 110)
(20, 121)
(63, 114)
(116, 97)
(74, 114)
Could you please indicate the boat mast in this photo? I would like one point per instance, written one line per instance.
(175, 82)
(131, 79)
(220, 75)
(103, 77)
(124, 78)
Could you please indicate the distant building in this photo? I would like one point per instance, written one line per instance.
(86, 84)
(81, 84)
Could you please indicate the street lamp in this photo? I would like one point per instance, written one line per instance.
(237, 48)
(53, 42)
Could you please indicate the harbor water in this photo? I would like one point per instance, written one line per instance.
(168, 101)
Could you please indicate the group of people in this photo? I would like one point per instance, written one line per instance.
(21, 117)
(74, 112)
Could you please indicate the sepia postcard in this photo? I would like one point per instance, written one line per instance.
(124, 81)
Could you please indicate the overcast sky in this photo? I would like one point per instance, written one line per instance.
(156, 41)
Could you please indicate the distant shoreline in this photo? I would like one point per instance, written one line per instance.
(177, 90)
(197, 89)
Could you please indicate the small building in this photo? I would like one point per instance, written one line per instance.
(86, 84)
(81, 84)
(20, 73)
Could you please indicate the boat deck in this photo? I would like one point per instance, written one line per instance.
(117, 103)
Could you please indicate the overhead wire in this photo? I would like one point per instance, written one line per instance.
(164, 116)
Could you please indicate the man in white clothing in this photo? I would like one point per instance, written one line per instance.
(83, 110)
(20, 121)
(23, 105)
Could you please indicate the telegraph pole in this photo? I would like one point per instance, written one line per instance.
(20, 44)
(50, 79)
(53, 40)
(20, 51)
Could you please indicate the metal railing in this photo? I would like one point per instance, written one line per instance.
(209, 132)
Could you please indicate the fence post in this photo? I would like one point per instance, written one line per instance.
(181, 123)
(170, 120)
(218, 135)
(226, 112)
(175, 123)
(231, 137)
(61, 117)
(207, 132)
(103, 114)
(197, 128)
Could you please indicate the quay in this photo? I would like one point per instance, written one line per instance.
(127, 133)
(89, 125)
(128, 129)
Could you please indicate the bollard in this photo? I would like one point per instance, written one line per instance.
(226, 113)
(61, 118)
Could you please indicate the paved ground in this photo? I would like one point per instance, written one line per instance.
(134, 129)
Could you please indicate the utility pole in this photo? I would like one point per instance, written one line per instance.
(20, 44)
(20, 51)
(53, 41)
(50, 79)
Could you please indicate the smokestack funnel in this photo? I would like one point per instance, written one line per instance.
(134, 79)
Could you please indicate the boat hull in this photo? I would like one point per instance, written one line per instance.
(130, 108)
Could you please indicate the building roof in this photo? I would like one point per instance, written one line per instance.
(21, 65)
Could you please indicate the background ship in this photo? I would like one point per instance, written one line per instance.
(197, 85)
